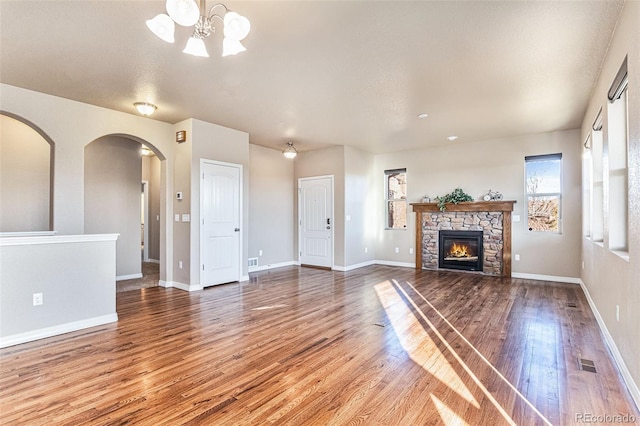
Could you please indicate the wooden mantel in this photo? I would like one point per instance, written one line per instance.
(505, 207)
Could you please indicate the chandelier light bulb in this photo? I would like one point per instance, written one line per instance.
(236, 27)
(184, 12)
(231, 47)
(195, 46)
(163, 27)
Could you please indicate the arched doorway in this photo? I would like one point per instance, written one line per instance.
(26, 176)
(118, 175)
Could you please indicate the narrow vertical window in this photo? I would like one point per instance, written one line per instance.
(395, 189)
(587, 185)
(617, 151)
(597, 181)
(544, 192)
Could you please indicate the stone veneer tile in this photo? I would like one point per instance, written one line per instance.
(488, 222)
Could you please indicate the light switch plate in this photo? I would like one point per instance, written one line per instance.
(186, 217)
(177, 217)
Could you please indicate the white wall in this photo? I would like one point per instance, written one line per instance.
(74, 274)
(213, 142)
(25, 184)
(271, 219)
(360, 207)
(324, 162)
(71, 125)
(477, 167)
(612, 281)
(112, 180)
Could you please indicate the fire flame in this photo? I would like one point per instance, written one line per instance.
(459, 250)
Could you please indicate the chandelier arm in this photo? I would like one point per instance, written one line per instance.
(211, 15)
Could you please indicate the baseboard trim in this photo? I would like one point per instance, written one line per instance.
(632, 386)
(43, 333)
(153, 261)
(179, 285)
(354, 266)
(393, 263)
(272, 266)
(569, 280)
(244, 278)
(128, 277)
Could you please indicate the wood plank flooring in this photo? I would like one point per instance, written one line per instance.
(299, 346)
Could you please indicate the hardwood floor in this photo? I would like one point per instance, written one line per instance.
(299, 346)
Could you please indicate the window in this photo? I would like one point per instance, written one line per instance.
(395, 198)
(587, 188)
(617, 149)
(597, 181)
(544, 192)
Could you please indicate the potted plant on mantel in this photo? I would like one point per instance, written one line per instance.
(455, 197)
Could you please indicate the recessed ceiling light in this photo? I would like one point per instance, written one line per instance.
(423, 115)
(452, 138)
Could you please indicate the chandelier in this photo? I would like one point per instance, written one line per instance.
(188, 13)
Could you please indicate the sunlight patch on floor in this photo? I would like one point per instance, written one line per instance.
(446, 414)
(417, 343)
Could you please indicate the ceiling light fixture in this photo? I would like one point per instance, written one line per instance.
(451, 138)
(290, 151)
(189, 13)
(145, 108)
(423, 115)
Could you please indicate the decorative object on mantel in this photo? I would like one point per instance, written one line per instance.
(426, 199)
(455, 197)
(492, 196)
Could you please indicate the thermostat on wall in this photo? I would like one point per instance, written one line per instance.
(178, 195)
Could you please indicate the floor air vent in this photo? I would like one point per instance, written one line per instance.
(253, 262)
(571, 305)
(586, 365)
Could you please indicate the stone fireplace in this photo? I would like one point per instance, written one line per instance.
(487, 223)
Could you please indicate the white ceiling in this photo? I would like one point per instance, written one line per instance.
(327, 72)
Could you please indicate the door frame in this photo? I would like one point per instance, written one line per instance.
(333, 216)
(240, 213)
(145, 250)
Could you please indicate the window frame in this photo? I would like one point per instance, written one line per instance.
(388, 200)
(539, 158)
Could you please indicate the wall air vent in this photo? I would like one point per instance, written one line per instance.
(253, 262)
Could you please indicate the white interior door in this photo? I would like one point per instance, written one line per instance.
(316, 221)
(220, 223)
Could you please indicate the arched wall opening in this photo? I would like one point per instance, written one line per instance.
(26, 176)
(116, 174)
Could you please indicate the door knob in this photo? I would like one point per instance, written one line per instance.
(328, 227)
(236, 230)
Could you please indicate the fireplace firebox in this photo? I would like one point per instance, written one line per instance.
(460, 250)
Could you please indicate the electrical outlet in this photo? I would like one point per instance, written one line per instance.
(516, 218)
(618, 313)
(180, 264)
(517, 257)
(397, 250)
(37, 299)
(583, 264)
(411, 250)
(366, 250)
(259, 252)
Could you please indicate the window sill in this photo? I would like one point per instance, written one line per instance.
(395, 229)
(624, 255)
(599, 243)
